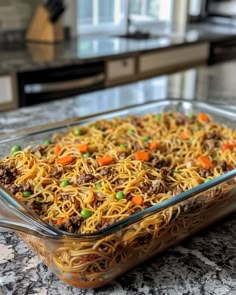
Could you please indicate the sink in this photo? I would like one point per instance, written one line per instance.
(138, 36)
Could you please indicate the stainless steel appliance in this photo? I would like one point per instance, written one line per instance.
(53, 83)
(222, 9)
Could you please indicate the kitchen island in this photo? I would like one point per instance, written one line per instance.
(203, 264)
(38, 72)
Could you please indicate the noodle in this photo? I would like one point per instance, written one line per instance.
(98, 174)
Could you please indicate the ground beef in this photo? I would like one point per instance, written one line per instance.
(97, 204)
(106, 171)
(189, 206)
(13, 189)
(144, 187)
(136, 146)
(44, 208)
(149, 188)
(159, 163)
(65, 197)
(211, 144)
(39, 149)
(136, 122)
(119, 181)
(154, 189)
(166, 171)
(204, 173)
(101, 224)
(72, 225)
(57, 172)
(7, 175)
(166, 174)
(213, 135)
(35, 206)
(122, 156)
(26, 187)
(7, 178)
(86, 178)
(180, 119)
(225, 166)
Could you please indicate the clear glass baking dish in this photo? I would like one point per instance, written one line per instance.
(92, 260)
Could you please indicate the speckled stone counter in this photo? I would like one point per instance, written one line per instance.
(203, 264)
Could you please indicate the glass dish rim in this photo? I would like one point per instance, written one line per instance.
(112, 229)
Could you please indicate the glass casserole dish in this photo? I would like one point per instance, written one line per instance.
(92, 260)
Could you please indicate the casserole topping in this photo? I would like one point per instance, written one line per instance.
(98, 174)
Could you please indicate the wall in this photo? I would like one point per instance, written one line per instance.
(16, 14)
(70, 16)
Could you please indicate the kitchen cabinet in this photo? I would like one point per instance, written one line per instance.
(169, 60)
(120, 71)
(7, 92)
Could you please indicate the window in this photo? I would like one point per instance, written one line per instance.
(150, 10)
(195, 7)
(101, 16)
(111, 16)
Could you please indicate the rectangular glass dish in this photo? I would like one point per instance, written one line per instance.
(92, 260)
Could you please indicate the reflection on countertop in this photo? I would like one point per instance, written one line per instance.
(34, 56)
(214, 84)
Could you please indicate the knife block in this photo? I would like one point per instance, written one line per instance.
(42, 29)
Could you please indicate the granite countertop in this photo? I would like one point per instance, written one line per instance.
(35, 56)
(203, 264)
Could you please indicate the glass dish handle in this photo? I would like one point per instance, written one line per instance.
(16, 216)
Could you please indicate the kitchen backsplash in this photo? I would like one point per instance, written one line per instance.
(15, 15)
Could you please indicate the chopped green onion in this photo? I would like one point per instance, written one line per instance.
(177, 171)
(77, 132)
(191, 139)
(131, 131)
(98, 185)
(123, 146)
(119, 195)
(85, 213)
(26, 194)
(158, 117)
(39, 199)
(196, 127)
(47, 142)
(16, 148)
(191, 116)
(86, 155)
(146, 138)
(208, 179)
(65, 182)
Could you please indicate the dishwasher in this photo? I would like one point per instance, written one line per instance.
(44, 85)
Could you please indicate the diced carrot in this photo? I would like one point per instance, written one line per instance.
(205, 162)
(110, 130)
(203, 117)
(105, 160)
(137, 200)
(57, 150)
(232, 141)
(83, 147)
(65, 160)
(227, 146)
(61, 220)
(184, 135)
(141, 156)
(153, 146)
